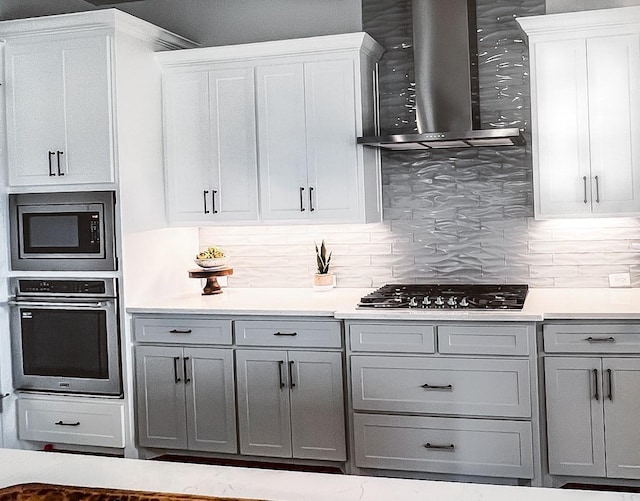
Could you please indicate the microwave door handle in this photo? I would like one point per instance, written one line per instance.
(97, 304)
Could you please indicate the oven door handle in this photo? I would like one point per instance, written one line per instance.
(59, 305)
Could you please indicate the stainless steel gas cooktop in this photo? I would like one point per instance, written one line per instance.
(447, 296)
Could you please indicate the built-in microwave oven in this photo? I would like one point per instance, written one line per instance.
(63, 231)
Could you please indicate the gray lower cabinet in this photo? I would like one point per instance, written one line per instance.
(450, 398)
(185, 398)
(592, 409)
(290, 404)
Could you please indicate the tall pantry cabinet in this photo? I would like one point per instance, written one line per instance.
(585, 107)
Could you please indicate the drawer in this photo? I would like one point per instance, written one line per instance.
(288, 333)
(460, 386)
(444, 445)
(181, 330)
(407, 337)
(72, 422)
(474, 339)
(591, 338)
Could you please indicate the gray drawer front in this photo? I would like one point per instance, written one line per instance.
(181, 330)
(407, 337)
(460, 386)
(288, 333)
(477, 339)
(468, 446)
(591, 338)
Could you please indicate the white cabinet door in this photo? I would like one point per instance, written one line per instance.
(331, 140)
(263, 403)
(59, 112)
(160, 397)
(210, 399)
(621, 411)
(280, 96)
(317, 405)
(561, 128)
(210, 145)
(575, 420)
(613, 67)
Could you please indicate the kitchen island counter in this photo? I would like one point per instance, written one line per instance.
(541, 304)
(20, 467)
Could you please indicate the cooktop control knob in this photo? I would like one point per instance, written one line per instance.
(426, 301)
(464, 303)
(452, 301)
(413, 302)
(439, 301)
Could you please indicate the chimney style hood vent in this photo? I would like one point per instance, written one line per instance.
(445, 53)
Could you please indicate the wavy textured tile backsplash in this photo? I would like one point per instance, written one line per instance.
(449, 216)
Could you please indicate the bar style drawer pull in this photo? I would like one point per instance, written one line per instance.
(596, 394)
(584, 180)
(180, 331)
(292, 383)
(302, 209)
(51, 155)
(597, 190)
(280, 365)
(58, 155)
(445, 387)
(609, 339)
(450, 447)
(62, 423)
(204, 196)
(176, 361)
(185, 365)
(610, 377)
(285, 333)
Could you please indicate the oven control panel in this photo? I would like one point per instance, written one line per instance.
(64, 287)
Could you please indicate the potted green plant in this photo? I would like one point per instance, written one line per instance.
(323, 279)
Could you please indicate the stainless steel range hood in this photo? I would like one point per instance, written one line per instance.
(445, 61)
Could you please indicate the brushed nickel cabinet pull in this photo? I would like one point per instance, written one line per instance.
(446, 387)
(449, 447)
(597, 190)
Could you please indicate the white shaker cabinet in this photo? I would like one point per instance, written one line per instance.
(306, 126)
(585, 104)
(269, 131)
(210, 145)
(59, 110)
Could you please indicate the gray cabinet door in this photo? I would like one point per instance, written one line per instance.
(621, 410)
(317, 405)
(575, 418)
(263, 403)
(160, 397)
(211, 418)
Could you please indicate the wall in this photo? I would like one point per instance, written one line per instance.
(555, 6)
(219, 22)
(448, 216)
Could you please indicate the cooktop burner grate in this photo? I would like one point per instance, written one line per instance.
(448, 296)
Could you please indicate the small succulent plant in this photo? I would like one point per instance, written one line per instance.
(322, 259)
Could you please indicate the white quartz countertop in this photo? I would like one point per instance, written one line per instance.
(19, 467)
(541, 304)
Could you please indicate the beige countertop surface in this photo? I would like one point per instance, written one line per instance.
(19, 467)
(541, 304)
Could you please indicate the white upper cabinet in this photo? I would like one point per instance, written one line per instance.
(585, 107)
(272, 136)
(80, 93)
(59, 111)
(210, 145)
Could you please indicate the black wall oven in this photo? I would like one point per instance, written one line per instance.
(63, 231)
(65, 335)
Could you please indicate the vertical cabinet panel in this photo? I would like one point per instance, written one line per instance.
(263, 403)
(280, 98)
(331, 139)
(160, 398)
(209, 383)
(614, 111)
(574, 416)
(621, 410)
(59, 112)
(317, 405)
